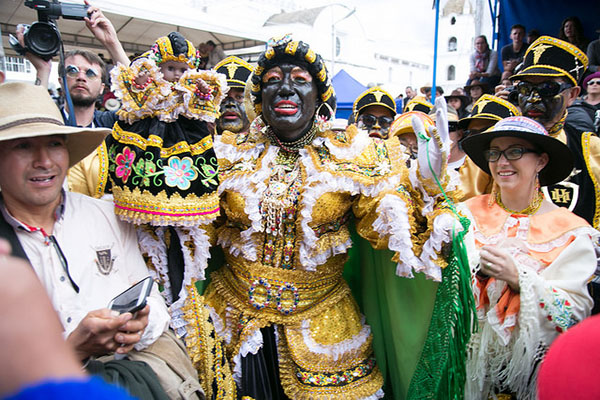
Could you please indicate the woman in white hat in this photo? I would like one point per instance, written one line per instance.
(530, 259)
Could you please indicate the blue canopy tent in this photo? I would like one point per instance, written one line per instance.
(347, 90)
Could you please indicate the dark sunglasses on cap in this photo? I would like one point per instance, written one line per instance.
(594, 82)
(544, 89)
(369, 120)
(73, 72)
(511, 154)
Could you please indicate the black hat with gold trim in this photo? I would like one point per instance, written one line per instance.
(173, 47)
(284, 49)
(236, 70)
(374, 96)
(418, 103)
(549, 56)
(491, 108)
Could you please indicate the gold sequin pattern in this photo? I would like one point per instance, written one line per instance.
(364, 387)
(206, 349)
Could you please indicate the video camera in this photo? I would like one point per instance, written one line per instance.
(42, 38)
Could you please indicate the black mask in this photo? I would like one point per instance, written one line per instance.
(544, 109)
(289, 99)
(233, 115)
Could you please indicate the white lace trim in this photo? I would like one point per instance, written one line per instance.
(378, 395)
(443, 227)
(359, 144)
(157, 251)
(326, 254)
(393, 221)
(337, 350)
(251, 346)
(496, 357)
(522, 234)
(232, 153)
(194, 267)
(251, 187)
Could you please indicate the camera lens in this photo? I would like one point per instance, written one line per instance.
(43, 39)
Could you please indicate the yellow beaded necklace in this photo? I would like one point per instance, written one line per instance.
(531, 209)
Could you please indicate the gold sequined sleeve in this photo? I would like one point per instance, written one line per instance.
(89, 176)
(392, 220)
(473, 181)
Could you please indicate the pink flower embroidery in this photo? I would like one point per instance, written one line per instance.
(124, 162)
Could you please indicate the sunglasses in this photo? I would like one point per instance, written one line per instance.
(544, 89)
(511, 154)
(73, 72)
(370, 120)
(594, 82)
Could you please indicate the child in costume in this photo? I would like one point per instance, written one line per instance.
(162, 165)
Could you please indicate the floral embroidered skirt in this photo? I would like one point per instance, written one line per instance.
(163, 173)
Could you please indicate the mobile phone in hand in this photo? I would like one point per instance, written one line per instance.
(134, 298)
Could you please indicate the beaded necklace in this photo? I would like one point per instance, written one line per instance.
(295, 146)
(531, 209)
(558, 126)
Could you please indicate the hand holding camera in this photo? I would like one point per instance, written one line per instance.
(42, 38)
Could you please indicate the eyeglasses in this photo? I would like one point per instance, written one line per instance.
(73, 72)
(512, 153)
(544, 89)
(369, 120)
(593, 82)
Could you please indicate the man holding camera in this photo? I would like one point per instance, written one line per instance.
(85, 77)
(83, 255)
(85, 72)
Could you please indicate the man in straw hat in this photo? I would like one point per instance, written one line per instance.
(83, 255)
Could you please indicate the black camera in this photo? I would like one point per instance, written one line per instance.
(42, 38)
(513, 94)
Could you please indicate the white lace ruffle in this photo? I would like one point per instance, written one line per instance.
(233, 154)
(358, 145)
(337, 350)
(251, 187)
(522, 234)
(194, 267)
(393, 221)
(251, 346)
(326, 254)
(157, 251)
(443, 227)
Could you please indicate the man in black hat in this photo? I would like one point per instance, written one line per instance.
(233, 113)
(374, 111)
(547, 84)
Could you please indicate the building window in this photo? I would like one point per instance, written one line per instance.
(17, 64)
(452, 44)
(451, 73)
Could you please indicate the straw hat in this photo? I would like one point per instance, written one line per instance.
(560, 164)
(29, 111)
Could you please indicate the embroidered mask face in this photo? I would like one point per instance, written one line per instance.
(289, 99)
(233, 114)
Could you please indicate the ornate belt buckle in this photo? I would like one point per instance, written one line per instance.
(292, 300)
(259, 294)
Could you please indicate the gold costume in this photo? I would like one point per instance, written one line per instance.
(285, 236)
